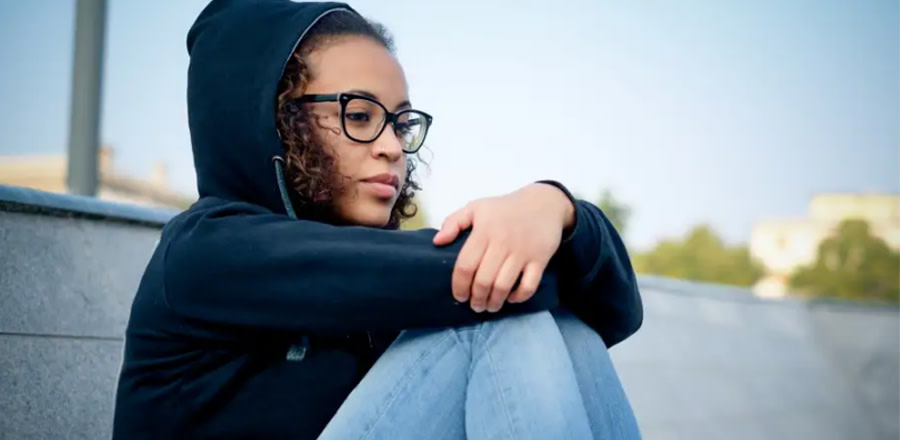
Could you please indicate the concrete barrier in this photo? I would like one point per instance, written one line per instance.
(69, 268)
(710, 362)
(716, 362)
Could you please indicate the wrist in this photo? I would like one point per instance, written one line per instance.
(568, 210)
(566, 202)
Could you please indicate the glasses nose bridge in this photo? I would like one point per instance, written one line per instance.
(390, 119)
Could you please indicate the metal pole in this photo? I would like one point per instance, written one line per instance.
(87, 77)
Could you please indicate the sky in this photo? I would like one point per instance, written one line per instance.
(725, 113)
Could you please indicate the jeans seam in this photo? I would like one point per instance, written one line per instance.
(500, 397)
(468, 349)
(592, 424)
(404, 380)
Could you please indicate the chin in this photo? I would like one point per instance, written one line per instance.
(376, 217)
(365, 211)
(375, 221)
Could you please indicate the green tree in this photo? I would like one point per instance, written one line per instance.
(618, 212)
(851, 264)
(701, 256)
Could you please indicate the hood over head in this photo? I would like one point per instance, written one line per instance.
(238, 51)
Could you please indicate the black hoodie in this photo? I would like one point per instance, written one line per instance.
(251, 324)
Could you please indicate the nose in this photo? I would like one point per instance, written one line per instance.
(387, 145)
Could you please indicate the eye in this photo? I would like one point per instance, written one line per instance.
(403, 128)
(358, 116)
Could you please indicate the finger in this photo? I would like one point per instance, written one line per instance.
(485, 275)
(466, 264)
(531, 279)
(454, 224)
(449, 231)
(504, 282)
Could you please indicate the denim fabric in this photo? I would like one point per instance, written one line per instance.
(506, 379)
(608, 409)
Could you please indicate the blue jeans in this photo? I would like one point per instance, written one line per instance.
(537, 376)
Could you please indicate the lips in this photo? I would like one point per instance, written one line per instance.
(382, 186)
(384, 179)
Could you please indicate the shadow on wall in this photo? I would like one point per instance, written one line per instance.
(709, 362)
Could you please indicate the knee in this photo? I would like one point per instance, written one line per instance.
(579, 337)
(536, 320)
(512, 325)
(538, 327)
(573, 327)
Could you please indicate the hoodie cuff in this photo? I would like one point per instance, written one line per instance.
(569, 233)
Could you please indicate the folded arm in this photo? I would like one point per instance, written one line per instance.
(239, 268)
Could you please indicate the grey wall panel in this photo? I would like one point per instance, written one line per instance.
(57, 388)
(69, 276)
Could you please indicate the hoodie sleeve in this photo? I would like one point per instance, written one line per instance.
(242, 270)
(597, 281)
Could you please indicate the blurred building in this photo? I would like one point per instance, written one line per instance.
(784, 245)
(48, 173)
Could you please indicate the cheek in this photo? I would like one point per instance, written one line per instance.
(348, 156)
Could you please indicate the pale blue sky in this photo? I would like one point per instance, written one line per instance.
(691, 111)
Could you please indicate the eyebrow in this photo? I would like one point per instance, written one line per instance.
(403, 105)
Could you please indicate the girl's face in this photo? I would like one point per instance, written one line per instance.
(374, 172)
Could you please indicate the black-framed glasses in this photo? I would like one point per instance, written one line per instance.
(363, 119)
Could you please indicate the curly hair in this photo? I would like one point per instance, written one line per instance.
(311, 170)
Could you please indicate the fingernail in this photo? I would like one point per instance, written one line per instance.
(478, 309)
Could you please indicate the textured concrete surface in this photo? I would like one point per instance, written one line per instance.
(65, 291)
(69, 276)
(709, 363)
(732, 366)
(57, 388)
(863, 345)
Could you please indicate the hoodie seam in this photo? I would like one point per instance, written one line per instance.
(177, 417)
(306, 31)
(300, 40)
(585, 281)
(165, 267)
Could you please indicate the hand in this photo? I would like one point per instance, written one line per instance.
(513, 235)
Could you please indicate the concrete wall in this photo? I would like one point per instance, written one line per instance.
(862, 343)
(66, 283)
(714, 362)
(710, 362)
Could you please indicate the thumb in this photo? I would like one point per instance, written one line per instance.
(454, 224)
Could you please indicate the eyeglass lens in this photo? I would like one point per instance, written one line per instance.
(364, 119)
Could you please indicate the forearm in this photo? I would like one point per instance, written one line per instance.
(295, 276)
